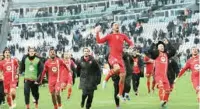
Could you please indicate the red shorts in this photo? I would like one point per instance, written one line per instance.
(149, 69)
(54, 87)
(162, 82)
(67, 80)
(8, 85)
(117, 60)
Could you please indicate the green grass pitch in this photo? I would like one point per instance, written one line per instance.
(183, 97)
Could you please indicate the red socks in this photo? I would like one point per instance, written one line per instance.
(166, 96)
(27, 106)
(111, 72)
(69, 92)
(153, 84)
(161, 94)
(121, 88)
(59, 105)
(148, 86)
(9, 100)
(55, 107)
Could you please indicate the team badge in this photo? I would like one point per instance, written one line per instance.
(31, 68)
(8, 68)
(117, 37)
(197, 67)
(54, 69)
(163, 59)
(135, 64)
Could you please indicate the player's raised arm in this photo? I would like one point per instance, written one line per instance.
(98, 39)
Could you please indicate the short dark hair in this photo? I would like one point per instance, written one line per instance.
(86, 48)
(31, 48)
(113, 24)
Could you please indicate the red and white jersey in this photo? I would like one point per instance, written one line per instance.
(161, 65)
(53, 68)
(9, 68)
(149, 64)
(193, 64)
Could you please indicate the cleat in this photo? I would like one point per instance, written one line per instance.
(149, 91)
(118, 108)
(82, 104)
(121, 98)
(163, 104)
(3, 103)
(11, 107)
(36, 106)
(127, 97)
(14, 104)
(104, 85)
(68, 97)
(136, 93)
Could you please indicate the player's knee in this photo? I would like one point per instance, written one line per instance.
(160, 86)
(168, 91)
(116, 67)
(148, 76)
(69, 85)
(53, 94)
(13, 91)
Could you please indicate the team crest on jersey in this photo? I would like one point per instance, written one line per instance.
(54, 69)
(117, 37)
(163, 59)
(31, 68)
(197, 67)
(8, 68)
(135, 64)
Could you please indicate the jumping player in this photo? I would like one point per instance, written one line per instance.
(115, 42)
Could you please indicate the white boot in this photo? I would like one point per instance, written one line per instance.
(104, 84)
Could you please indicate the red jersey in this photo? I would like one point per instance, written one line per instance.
(161, 66)
(53, 68)
(9, 68)
(194, 65)
(66, 75)
(149, 64)
(115, 43)
(136, 68)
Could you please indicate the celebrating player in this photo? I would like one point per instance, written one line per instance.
(115, 42)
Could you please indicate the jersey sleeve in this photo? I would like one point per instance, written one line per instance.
(187, 66)
(102, 40)
(43, 72)
(128, 40)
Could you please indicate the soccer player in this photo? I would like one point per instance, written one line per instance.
(66, 77)
(90, 76)
(149, 69)
(194, 65)
(53, 66)
(160, 53)
(10, 70)
(115, 42)
(32, 67)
